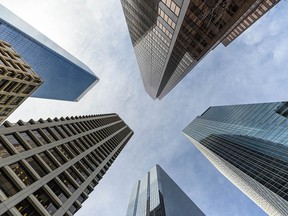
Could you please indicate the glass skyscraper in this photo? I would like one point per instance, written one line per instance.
(50, 167)
(64, 76)
(156, 194)
(248, 144)
(170, 37)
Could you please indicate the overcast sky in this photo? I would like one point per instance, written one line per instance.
(251, 69)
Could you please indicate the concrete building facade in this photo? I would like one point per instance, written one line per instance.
(49, 167)
(17, 80)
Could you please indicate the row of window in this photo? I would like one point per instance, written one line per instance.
(166, 18)
(62, 154)
(172, 6)
(42, 136)
(164, 29)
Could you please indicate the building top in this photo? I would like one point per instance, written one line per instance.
(157, 194)
(58, 68)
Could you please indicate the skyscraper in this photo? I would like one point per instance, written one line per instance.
(171, 36)
(156, 194)
(65, 77)
(248, 144)
(17, 80)
(49, 167)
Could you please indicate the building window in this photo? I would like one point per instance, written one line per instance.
(25, 208)
(57, 190)
(36, 166)
(5, 112)
(3, 82)
(48, 161)
(67, 182)
(7, 186)
(22, 173)
(3, 151)
(64, 152)
(57, 156)
(172, 6)
(39, 136)
(29, 89)
(46, 201)
(19, 87)
(81, 170)
(73, 208)
(10, 86)
(17, 100)
(74, 176)
(12, 139)
(28, 139)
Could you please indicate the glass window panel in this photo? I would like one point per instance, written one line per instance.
(67, 182)
(7, 186)
(74, 176)
(80, 169)
(48, 134)
(25, 208)
(62, 131)
(81, 198)
(27, 137)
(3, 151)
(22, 173)
(71, 149)
(55, 133)
(73, 208)
(15, 142)
(57, 156)
(46, 201)
(36, 166)
(68, 156)
(39, 136)
(57, 190)
(48, 161)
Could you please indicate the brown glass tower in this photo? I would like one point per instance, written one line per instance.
(17, 80)
(49, 167)
(171, 36)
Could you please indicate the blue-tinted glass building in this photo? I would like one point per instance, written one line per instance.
(156, 194)
(65, 77)
(248, 144)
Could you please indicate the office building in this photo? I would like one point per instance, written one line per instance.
(49, 167)
(17, 80)
(65, 77)
(171, 36)
(248, 144)
(156, 194)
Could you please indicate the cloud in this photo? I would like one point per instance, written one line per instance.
(251, 69)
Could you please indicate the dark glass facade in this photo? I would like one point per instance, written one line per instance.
(65, 77)
(156, 194)
(249, 145)
(55, 176)
(171, 36)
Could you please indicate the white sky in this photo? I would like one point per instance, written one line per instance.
(251, 69)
